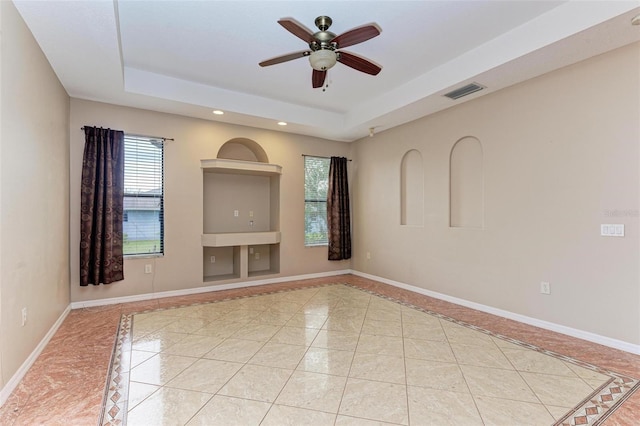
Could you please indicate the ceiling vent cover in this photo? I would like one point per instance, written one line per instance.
(464, 91)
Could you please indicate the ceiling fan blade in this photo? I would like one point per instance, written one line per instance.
(317, 78)
(356, 35)
(285, 58)
(297, 29)
(358, 63)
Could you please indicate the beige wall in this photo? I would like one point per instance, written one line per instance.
(226, 192)
(34, 193)
(560, 154)
(182, 265)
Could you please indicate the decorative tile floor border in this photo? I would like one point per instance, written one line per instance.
(592, 411)
(114, 402)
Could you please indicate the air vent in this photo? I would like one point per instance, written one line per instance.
(464, 91)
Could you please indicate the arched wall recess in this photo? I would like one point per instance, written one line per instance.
(412, 189)
(243, 149)
(466, 184)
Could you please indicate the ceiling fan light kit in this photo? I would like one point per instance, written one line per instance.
(322, 60)
(324, 48)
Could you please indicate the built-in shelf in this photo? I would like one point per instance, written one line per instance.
(240, 239)
(220, 277)
(241, 219)
(263, 260)
(221, 263)
(219, 165)
(262, 273)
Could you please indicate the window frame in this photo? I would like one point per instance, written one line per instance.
(161, 211)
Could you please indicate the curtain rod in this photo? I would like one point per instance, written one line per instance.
(142, 136)
(320, 156)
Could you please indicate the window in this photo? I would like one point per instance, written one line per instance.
(143, 216)
(316, 183)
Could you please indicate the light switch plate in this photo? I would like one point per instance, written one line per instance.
(612, 230)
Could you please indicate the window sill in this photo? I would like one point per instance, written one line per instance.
(143, 256)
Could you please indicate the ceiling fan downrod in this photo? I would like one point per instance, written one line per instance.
(323, 23)
(322, 38)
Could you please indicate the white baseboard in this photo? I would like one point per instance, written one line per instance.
(18, 375)
(197, 290)
(580, 334)
(573, 332)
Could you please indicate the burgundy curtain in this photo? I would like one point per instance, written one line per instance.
(338, 214)
(101, 201)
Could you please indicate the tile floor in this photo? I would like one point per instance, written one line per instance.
(336, 354)
(319, 354)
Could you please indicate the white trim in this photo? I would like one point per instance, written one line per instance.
(26, 365)
(573, 332)
(197, 290)
(580, 334)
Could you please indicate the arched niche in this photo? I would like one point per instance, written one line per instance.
(466, 190)
(412, 189)
(243, 149)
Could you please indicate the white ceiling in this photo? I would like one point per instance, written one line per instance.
(189, 57)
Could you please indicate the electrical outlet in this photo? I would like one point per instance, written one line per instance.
(368, 256)
(24, 316)
(236, 213)
(257, 256)
(212, 259)
(250, 213)
(148, 268)
(545, 288)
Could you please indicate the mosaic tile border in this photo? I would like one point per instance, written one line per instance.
(592, 411)
(114, 402)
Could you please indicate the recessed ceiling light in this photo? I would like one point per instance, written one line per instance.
(281, 123)
(218, 112)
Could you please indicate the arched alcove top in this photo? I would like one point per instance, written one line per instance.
(466, 140)
(411, 152)
(242, 149)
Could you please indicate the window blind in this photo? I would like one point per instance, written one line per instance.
(143, 218)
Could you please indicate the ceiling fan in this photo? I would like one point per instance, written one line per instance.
(324, 48)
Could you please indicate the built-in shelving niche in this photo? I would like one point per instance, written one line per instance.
(241, 213)
(221, 263)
